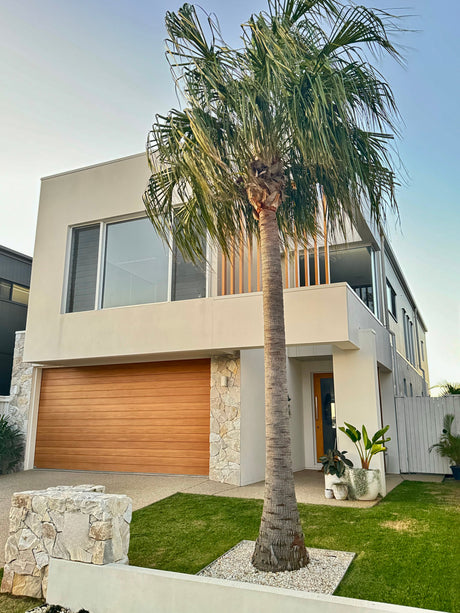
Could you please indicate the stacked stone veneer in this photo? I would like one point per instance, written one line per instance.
(17, 411)
(79, 523)
(224, 464)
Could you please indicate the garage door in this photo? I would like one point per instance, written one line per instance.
(150, 418)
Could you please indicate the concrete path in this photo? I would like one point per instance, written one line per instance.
(146, 489)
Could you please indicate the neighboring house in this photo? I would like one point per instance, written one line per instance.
(14, 297)
(146, 363)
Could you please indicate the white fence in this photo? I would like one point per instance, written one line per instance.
(419, 422)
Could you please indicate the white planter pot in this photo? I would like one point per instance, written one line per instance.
(329, 480)
(340, 491)
(363, 484)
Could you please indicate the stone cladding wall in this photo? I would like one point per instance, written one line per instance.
(78, 523)
(18, 408)
(224, 464)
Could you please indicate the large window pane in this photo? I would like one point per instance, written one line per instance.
(20, 294)
(83, 269)
(354, 265)
(189, 280)
(136, 265)
(5, 289)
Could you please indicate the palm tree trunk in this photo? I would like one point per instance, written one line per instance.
(280, 544)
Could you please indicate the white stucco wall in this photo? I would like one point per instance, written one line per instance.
(168, 330)
(252, 415)
(357, 394)
(131, 589)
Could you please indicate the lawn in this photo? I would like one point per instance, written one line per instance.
(407, 546)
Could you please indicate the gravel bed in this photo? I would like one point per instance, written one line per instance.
(322, 575)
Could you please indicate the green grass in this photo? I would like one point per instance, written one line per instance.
(407, 546)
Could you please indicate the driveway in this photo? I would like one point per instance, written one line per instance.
(146, 489)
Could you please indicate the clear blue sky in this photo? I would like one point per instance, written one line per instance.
(82, 79)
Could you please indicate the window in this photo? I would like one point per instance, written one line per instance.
(136, 265)
(83, 269)
(14, 292)
(408, 338)
(20, 294)
(352, 265)
(411, 390)
(405, 387)
(5, 290)
(423, 351)
(126, 263)
(391, 299)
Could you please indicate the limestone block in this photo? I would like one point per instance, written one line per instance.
(128, 514)
(59, 549)
(117, 544)
(27, 585)
(11, 550)
(7, 581)
(101, 530)
(49, 530)
(73, 523)
(57, 519)
(21, 500)
(75, 536)
(17, 515)
(27, 539)
(34, 522)
(41, 558)
(102, 553)
(45, 580)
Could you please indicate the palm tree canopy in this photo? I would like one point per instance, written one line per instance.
(296, 108)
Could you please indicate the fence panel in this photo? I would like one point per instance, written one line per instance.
(419, 426)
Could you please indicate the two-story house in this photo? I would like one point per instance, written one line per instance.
(146, 363)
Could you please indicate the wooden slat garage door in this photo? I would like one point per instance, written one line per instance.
(134, 417)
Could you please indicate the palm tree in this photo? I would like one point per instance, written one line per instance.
(449, 389)
(296, 113)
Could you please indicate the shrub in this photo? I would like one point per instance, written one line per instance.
(11, 446)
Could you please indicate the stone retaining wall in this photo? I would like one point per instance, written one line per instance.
(224, 463)
(80, 523)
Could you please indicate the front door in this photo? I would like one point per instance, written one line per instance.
(325, 423)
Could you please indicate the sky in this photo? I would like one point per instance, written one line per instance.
(81, 81)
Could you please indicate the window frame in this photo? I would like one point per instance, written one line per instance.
(103, 225)
(10, 294)
(392, 296)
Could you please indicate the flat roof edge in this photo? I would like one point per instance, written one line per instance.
(68, 172)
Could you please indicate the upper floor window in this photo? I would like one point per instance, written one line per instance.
(391, 299)
(13, 292)
(126, 263)
(423, 350)
(408, 337)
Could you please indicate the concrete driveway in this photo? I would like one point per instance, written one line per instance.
(146, 489)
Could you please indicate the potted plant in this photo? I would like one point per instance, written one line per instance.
(334, 465)
(365, 483)
(449, 446)
(11, 446)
